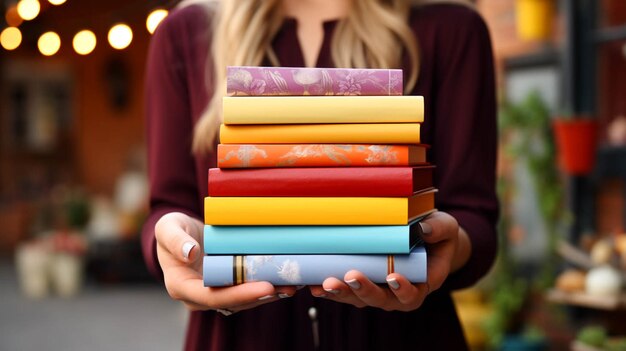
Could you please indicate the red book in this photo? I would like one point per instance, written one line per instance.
(321, 182)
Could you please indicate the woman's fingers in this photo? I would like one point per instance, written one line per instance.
(175, 232)
(180, 257)
(409, 295)
(439, 226)
(440, 233)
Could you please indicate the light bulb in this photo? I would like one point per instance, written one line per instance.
(154, 18)
(28, 9)
(12, 17)
(120, 36)
(84, 42)
(10, 38)
(49, 43)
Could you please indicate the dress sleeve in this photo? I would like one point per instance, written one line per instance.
(169, 130)
(465, 140)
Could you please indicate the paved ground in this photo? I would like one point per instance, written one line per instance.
(131, 317)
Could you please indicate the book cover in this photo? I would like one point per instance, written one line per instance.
(316, 182)
(273, 81)
(317, 210)
(379, 133)
(318, 155)
(322, 109)
(311, 269)
(372, 239)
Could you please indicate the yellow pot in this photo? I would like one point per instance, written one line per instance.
(534, 19)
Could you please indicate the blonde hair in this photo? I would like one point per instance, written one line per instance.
(244, 29)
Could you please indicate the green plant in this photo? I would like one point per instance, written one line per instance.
(527, 127)
(525, 132)
(593, 336)
(76, 210)
(618, 344)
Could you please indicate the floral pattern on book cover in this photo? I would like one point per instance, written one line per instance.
(312, 81)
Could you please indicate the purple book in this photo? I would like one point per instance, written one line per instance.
(311, 269)
(299, 81)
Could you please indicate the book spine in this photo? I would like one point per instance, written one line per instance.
(321, 109)
(384, 133)
(318, 155)
(313, 182)
(228, 240)
(305, 210)
(273, 81)
(311, 269)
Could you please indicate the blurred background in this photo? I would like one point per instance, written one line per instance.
(73, 185)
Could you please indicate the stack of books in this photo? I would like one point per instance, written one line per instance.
(320, 171)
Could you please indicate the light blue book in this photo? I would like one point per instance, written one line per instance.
(374, 239)
(310, 269)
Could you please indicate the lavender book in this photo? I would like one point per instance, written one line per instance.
(299, 81)
(310, 269)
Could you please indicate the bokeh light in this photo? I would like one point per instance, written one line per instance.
(49, 43)
(10, 38)
(154, 18)
(12, 17)
(120, 36)
(28, 9)
(84, 42)
(56, 2)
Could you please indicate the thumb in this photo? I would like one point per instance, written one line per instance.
(438, 227)
(176, 232)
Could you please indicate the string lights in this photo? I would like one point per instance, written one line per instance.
(84, 42)
(11, 38)
(28, 9)
(119, 36)
(154, 18)
(49, 43)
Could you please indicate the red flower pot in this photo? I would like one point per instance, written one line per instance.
(576, 145)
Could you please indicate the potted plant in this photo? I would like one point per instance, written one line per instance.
(534, 19)
(69, 244)
(528, 126)
(526, 137)
(576, 141)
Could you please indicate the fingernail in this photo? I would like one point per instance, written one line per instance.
(393, 283)
(354, 284)
(321, 295)
(187, 247)
(332, 291)
(300, 287)
(266, 297)
(426, 228)
(283, 295)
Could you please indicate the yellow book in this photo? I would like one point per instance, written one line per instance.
(323, 109)
(317, 210)
(381, 133)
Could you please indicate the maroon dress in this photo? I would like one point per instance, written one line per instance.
(457, 81)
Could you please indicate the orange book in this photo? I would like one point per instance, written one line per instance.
(351, 133)
(318, 155)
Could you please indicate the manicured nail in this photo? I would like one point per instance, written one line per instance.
(354, 284)
(332, 291)
(266, 297)
(283, 295)
(393, 283)
(426, 228)
(187, 247)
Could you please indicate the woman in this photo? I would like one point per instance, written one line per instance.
(451, 67)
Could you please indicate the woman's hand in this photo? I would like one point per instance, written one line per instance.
(442, 236)
(180, 256)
